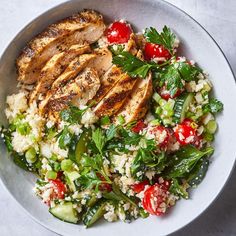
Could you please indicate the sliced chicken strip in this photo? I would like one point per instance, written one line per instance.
(136, 104)
(103, 60)
(115, 98)
(83, 28)
(78, 91)
(108, 80)
(54, 67)
(77, 65)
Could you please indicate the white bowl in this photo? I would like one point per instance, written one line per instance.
(196, 44)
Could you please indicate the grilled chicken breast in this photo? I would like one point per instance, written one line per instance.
(115, 98)
(78, 91)
(136, 104)
(72, 70)
(103, 60)
(108, 80)
(54, 67)
(83, 28)
(77, 65)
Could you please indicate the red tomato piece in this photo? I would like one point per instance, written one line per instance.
(165, 94)
(186, 132)
(162, 135)
(139, 126)
(152, 51)
(118, 32)
(155, 198)
(140, 186)
(59, 189)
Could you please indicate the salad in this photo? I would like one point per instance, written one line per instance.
(114, 123)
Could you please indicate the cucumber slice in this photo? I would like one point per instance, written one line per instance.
(81, 146)
(181, 105)
(65, 212)
(94, 213)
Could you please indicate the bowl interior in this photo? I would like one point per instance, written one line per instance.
(196, 44)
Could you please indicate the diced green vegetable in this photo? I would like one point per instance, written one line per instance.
(66, 164)
(156, 97)
(71, 176)
(211, 126)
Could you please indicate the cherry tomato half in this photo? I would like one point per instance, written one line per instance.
(155, 198)
(157, 51)
(118, 32)
(59, 189)
(186, 132)
(140, 186)
(139, 126)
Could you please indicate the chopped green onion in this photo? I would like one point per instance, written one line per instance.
(105, 120)
(156, 97)
(211, 126)
(162, 102)
(66, 164)
(51, 174)
(158, 110)
(23, 128)
(30, 155)
(121, 119)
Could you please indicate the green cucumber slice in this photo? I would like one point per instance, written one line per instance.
(65, 212)
(94, 213)
(181, 106)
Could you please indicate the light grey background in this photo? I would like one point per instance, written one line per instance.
(219, 18)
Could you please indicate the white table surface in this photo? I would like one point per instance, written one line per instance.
(219, 18)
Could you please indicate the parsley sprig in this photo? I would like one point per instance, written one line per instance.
(132, 65)
(166, 38)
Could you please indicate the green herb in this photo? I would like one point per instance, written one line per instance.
(90, 180)
(65, 138)
(178, 189)
(111, 132)
(185, 159)
(73, 114)
(213, 106)
(132, 65)
(198, 173)
(187, 71)
(99, 139)
(166, 38)
(170, 77)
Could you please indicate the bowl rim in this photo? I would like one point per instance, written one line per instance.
(206, 33)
